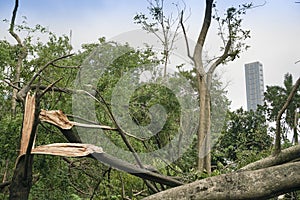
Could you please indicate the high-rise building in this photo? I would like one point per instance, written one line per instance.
(254, 85)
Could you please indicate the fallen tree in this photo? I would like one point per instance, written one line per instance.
(266, 178)
(257, 184)
(263, 179)
(286, 155)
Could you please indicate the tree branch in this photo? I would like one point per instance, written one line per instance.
(286, 155)
(277, 148)
(185, 37)
(66, 129)
(5, 184)
(11, 84)
(49, 87)
(122, 133)
(202, 36)
(20, 57)
(12, 24)
(68, 67)
(23, 92)
(221, 58)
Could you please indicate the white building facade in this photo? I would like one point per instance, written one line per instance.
(254, 85)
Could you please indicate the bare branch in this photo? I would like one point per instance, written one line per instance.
(221, 58)
(12, 24)
(96, 126)
(49, 87)
(185, 38)
(46, 65)
(201, 38)
(11, 84)
(23, 92)
(20, 57)
(68, 67)
(121, 131)
(56, 89)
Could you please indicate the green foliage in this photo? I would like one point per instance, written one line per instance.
(230, 29)
(60, 178)
(50, 177)
(275, 97)
(244, 138)
(9, 142)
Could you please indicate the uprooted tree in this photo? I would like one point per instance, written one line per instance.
(42, 90)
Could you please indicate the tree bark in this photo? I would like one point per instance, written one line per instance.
(22, 180)
(286, 155)
(21, 56)
(259, 184)
(204, 123)
(204, 162)
(296, 141)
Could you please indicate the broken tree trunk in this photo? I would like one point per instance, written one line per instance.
(60, 120)
(22, 178)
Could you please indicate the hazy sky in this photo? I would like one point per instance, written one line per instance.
(275, 31)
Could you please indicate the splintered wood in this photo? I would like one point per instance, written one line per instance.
(67, 149)
(27, 122)
(56, 117)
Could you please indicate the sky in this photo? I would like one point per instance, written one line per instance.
(275, 31)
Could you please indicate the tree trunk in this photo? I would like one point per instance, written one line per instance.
(259, 184)
(22, 179)
(16, 83)
(20, 186)
(204, 158)
(295, 127)
(207, 158)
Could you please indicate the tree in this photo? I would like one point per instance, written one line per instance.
(275, 97)
(219, 107)
(77, 177)
(244, 137)
(258, 184)
(231, 24)
(42, 73)
(164, 27)
(231, 50)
